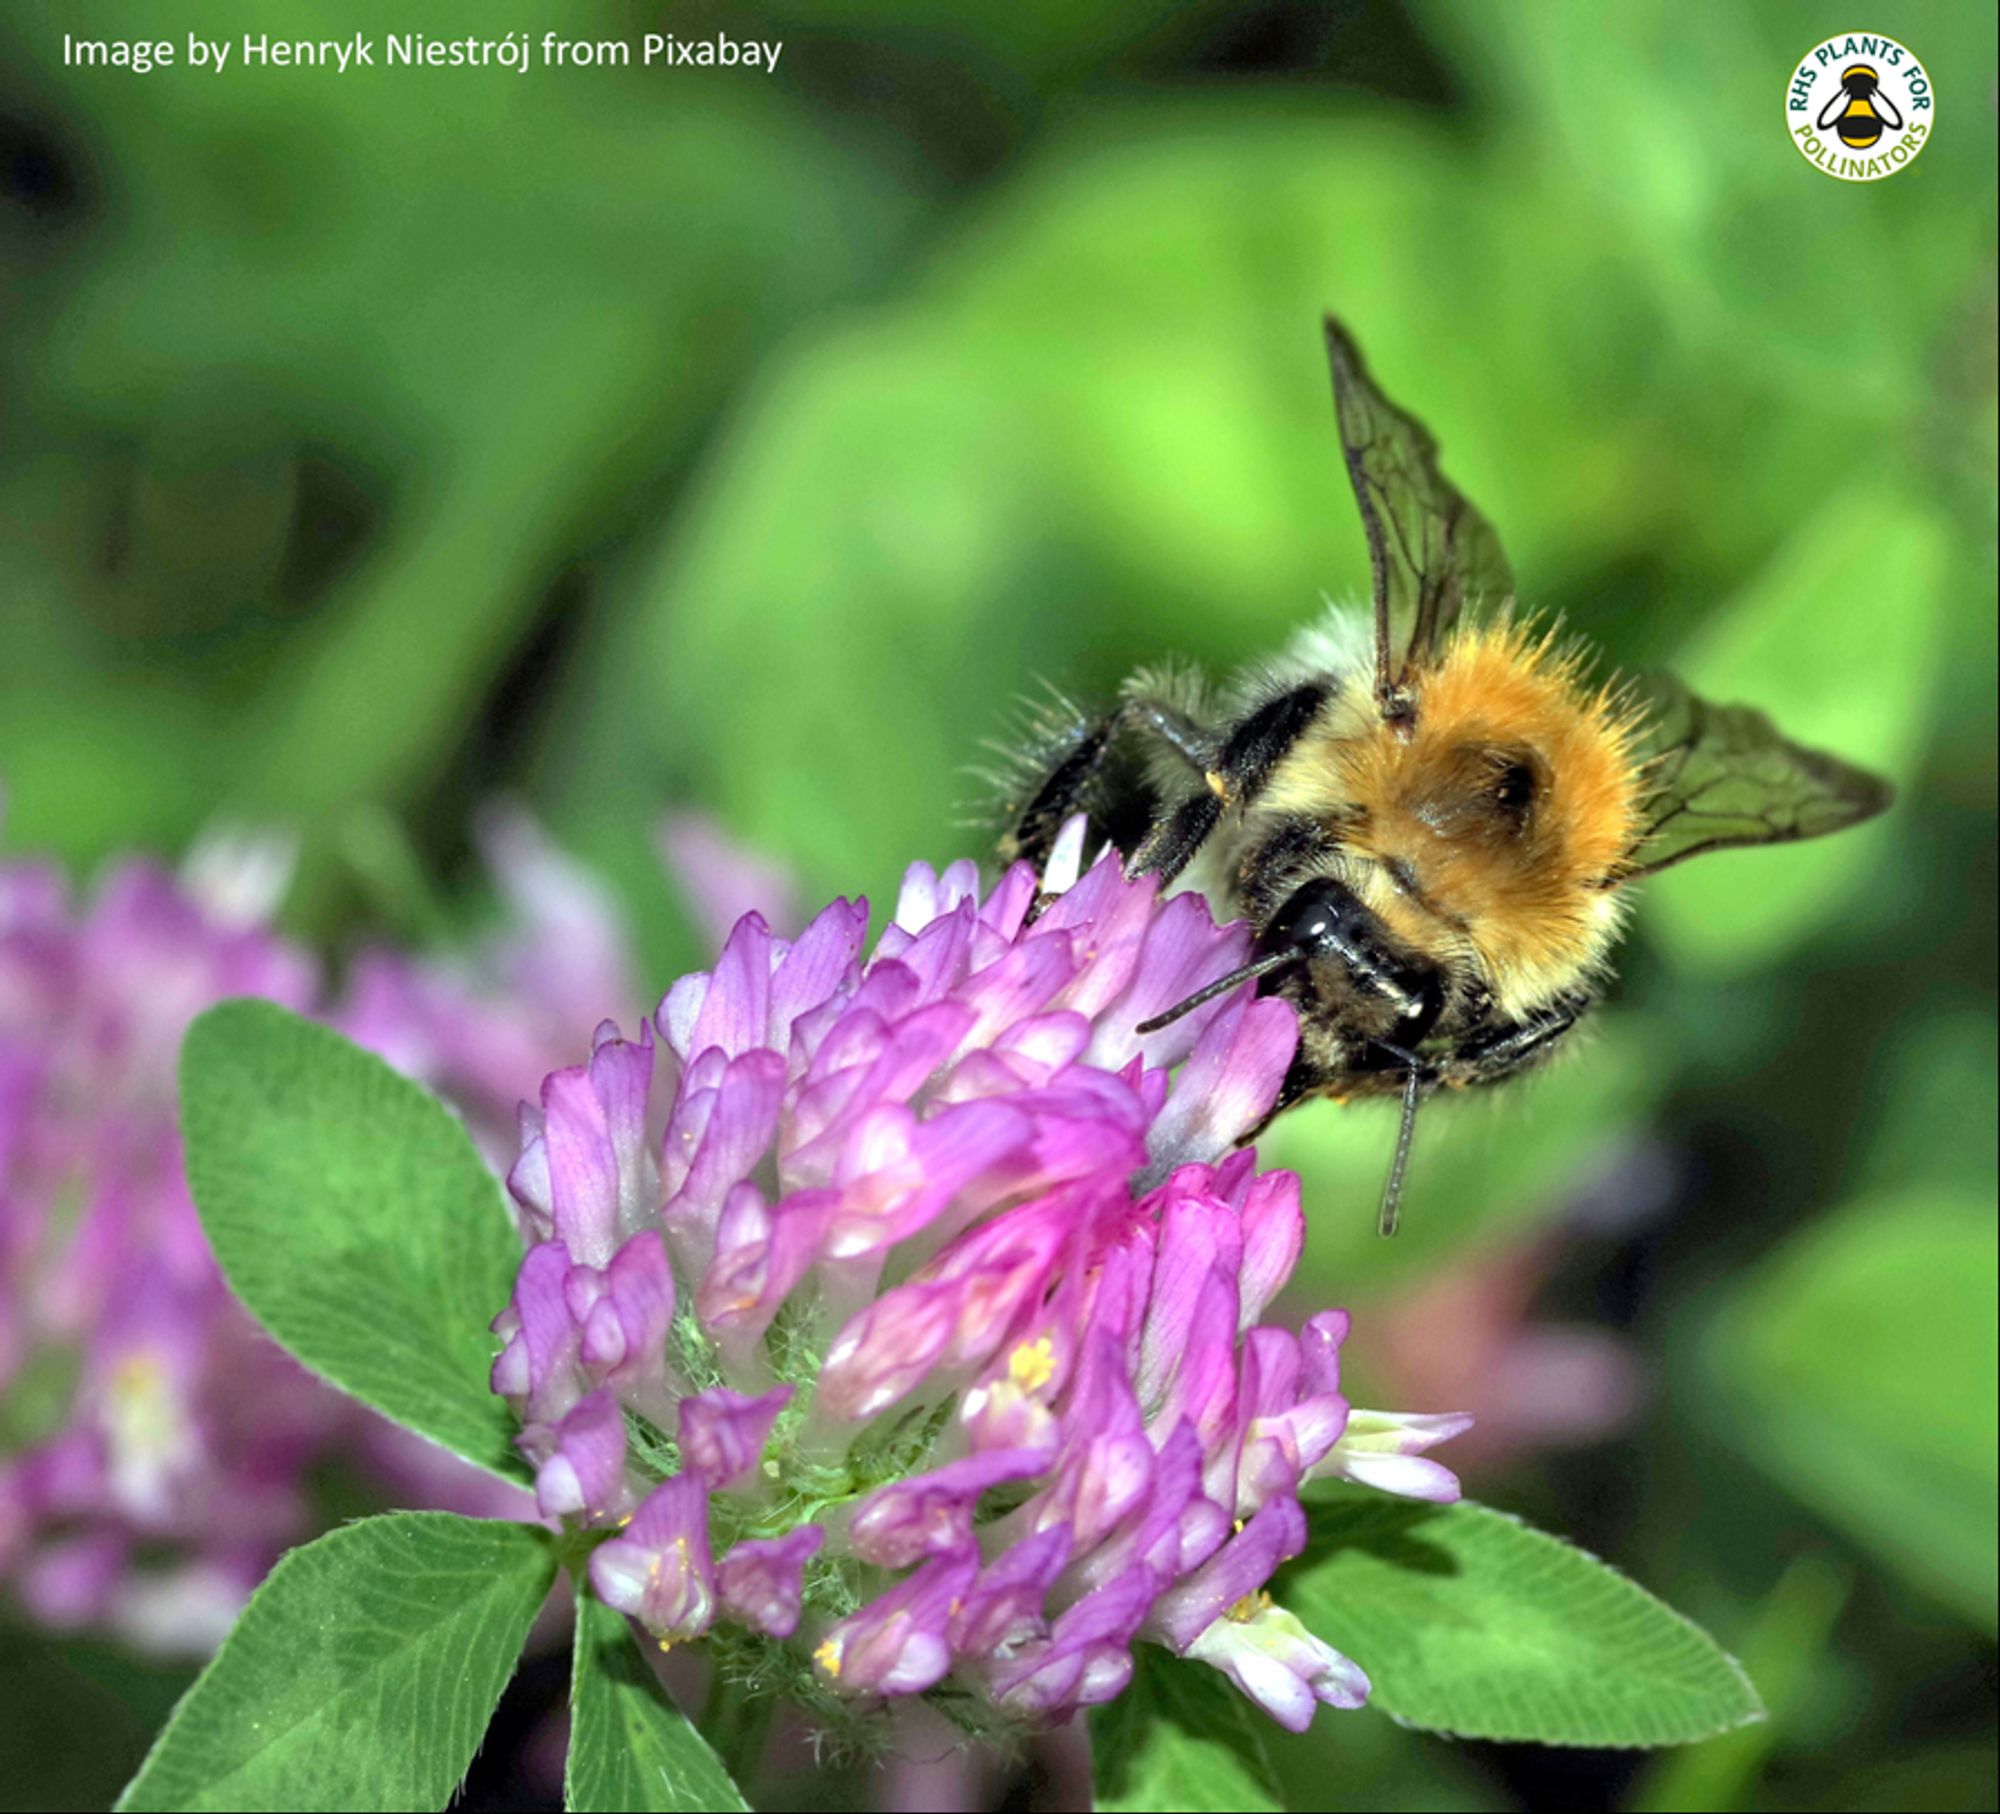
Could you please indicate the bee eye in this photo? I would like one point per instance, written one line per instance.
(1318, 912)
(1514, 789)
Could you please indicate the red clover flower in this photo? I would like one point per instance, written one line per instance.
(154, 1444)
(898, 1316)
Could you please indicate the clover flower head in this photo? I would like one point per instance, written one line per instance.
(155, 1444)
(900, 1312)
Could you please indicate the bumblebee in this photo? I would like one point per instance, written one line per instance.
(1430, 815)
(1860, 111)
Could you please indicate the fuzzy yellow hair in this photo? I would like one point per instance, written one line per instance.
(1533, 902)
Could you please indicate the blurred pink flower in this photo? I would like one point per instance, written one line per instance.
(721, 880)
(154, 1444)
(481, 1027)
(1466, 1335)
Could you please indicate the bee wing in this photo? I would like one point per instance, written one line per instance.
(1834, 109)
(1887, 109)
(1429, 549)
(1723, 775)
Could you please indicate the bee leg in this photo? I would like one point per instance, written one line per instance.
(1172, 843)
(1075, 783)
(1233, 771)
(1064, 791)
(1234, 775)
(1510, 1048)
(1195, 744)
(1257, 744)
(1174, 837)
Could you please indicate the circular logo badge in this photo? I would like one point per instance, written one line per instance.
(1860, 106)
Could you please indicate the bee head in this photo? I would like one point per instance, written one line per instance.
(1326, 927)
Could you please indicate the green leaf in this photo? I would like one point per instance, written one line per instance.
(351, 1213)
(1180, 1737)
(1470, 1622)
(630, 1748)
(361, 1674)
(1857, 1367)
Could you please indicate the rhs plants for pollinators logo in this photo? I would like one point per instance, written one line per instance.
(1860, 106)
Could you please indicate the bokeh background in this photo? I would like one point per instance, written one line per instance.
(375, 447)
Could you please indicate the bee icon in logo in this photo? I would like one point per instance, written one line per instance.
(1860, 110)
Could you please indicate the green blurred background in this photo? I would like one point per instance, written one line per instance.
(371, 446)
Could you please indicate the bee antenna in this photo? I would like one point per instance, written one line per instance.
(1262, 966)
(1392, 1190)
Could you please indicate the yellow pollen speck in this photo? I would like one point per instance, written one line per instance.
(1033, 1364)
(138, 1374)
(146, 1428)
(666, 1644)
(1249, 1607)
(827, 1656)
(1216, 785)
